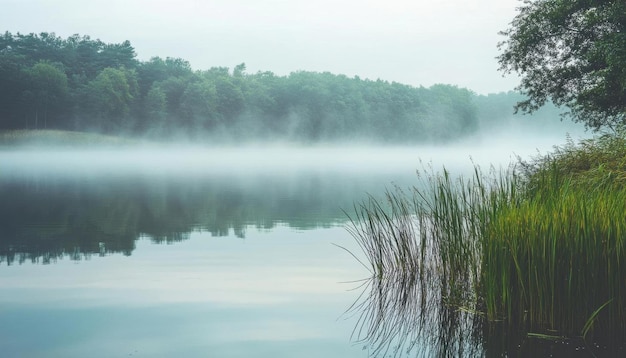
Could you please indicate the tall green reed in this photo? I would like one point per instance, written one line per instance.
(556, 257)
(538, 250)
(424, 254)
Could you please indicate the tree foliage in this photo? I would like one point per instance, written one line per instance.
(83, 84)
(110, 95)
(46, 90)
(572, 53)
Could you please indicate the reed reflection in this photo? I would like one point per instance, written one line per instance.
(405, 308)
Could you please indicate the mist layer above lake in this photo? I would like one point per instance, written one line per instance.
(187, 160)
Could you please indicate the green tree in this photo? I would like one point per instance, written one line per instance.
(157, 69)
(156, 105)
(118, 55)
(198, 105)
(239, 70)
(230, 99)
(452, 110)
(46, 92)
(13, 81)
(110, 95)
(572, 53)
(174, 88)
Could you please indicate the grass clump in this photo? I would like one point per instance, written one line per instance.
(555, 257)
(539, 248)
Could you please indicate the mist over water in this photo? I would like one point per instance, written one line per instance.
(222, 190)
(166, 192)
(251, 268)
(277, 159)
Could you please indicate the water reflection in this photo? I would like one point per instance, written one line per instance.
(275, 294)
(398, 319)
(79, 203)
(84, 203)
(403, 309)
(46, 218)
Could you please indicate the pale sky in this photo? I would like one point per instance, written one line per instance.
(416, 42)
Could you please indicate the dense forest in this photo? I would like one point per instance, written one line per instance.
(82, 84)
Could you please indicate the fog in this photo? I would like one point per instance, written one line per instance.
(167, 191)
(485, 150)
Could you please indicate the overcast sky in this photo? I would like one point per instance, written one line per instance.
(416, 42)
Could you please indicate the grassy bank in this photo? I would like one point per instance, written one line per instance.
(59, 138)
(539, 250)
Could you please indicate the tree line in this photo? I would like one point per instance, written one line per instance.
(78, 83)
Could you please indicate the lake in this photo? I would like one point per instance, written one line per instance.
(224, 252)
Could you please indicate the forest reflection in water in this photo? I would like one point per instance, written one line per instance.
(47, 218)
(93, 202)
(90, 204)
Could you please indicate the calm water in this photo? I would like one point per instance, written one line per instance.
(188, 252)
